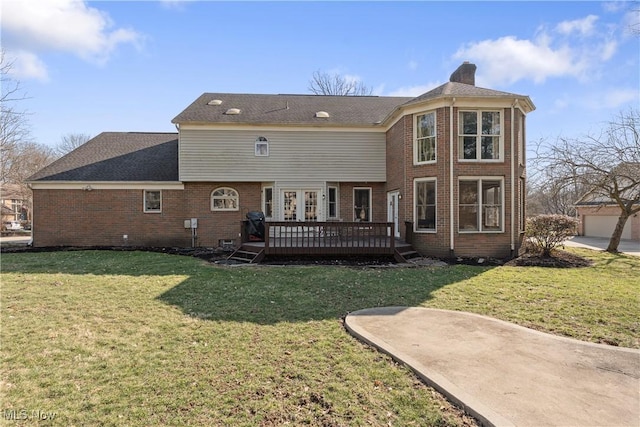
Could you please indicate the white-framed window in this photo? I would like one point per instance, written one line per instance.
(262, 147)
(424, 147)
(152, 201)
(362, 204)
(425, 204)
(480, 135)
(523, 212)
(332, 202)
(267, 202)
(481, 205)
(224, 199)
(521, 149)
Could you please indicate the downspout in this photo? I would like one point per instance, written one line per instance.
(513, 177)
(451, 183)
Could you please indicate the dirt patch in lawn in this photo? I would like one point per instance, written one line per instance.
(558, 259)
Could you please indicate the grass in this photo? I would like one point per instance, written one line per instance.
(135, 338)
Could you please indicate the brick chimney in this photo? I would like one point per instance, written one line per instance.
(466, 73)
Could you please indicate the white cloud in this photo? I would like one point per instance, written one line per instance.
(413, 65)
(571, 49)
(614, 98)
(508, 60)
(583, 26)
(69, 26)
(614, 6)
(26, 65)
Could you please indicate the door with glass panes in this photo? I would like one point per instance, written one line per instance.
(301, 205)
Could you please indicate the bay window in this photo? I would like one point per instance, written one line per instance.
(480, 205)
(425, 141)
(480, 135)
(425, 208)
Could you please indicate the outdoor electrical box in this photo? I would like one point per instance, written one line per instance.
(187, 223)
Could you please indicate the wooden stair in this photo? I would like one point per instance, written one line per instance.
(247, 255)
(405, 253)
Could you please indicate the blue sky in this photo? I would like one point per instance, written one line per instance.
(89, 67)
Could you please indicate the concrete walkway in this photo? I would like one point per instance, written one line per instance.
(508, 375)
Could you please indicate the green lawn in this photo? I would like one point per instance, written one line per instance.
(135, 338)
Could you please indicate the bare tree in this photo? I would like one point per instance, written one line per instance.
(324, 83)
(14, 128)
(549, 196)
(634, 26)
(70, 142)
(606, 164)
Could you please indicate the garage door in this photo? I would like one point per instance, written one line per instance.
(602, 226)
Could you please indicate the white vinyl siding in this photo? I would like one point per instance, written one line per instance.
(229, 155)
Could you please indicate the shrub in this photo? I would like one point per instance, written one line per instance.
(546, 232)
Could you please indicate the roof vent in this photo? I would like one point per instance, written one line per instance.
(322, 115)
(215, 102)
(232, 111)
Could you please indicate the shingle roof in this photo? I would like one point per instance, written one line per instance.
(118, 156)
(462, 90)
(301, 109)
(290, 109)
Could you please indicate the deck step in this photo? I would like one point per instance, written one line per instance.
(405, 254)
(246, 256)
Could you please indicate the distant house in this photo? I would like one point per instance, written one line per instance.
(599, 214)
(444, 171)
(15, 202)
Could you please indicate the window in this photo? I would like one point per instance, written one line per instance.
(224, 199)
(480, 135)
(522, 192)
(480, 205)
(425, 144)
(262, 147)
(425, 199)
(333, 202)
(521, 152)
(152, 201)
(268, 202)
(362, 204)
(16, 209)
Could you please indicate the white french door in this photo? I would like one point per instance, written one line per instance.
(393, 199)
(301, 205)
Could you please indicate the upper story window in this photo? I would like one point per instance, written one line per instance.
(224, 199)
(152, 201)
(425, 140)
(262, 147)
(480, 135)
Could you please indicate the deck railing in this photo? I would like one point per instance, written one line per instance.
(329, 238)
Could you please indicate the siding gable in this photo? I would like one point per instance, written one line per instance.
(228, 155)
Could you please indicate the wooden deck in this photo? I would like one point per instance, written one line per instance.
(325, 239)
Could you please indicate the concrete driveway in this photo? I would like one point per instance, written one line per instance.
(629, 247)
